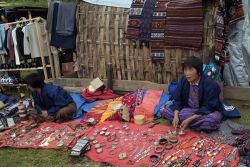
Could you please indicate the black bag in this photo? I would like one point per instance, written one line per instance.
(229, 110)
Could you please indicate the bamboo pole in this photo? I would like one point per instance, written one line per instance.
(41, 50)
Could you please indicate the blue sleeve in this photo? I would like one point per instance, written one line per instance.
(37, 102)
(61, 99)
(211, 100)
(177, 104)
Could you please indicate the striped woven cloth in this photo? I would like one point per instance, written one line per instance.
(219, 34)
(146, 20)
(158, 27)
(184, 24)
(134, 21)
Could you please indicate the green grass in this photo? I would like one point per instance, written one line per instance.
(42, 158)
(244, 108)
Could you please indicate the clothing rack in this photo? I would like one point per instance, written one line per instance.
(22, 21)
(39, 35)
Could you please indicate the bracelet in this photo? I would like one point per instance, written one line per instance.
(163, 141)
(159, 149)
(168, 146)
(154, 158)
(173, 140)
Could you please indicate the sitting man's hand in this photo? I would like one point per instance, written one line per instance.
(45, 114)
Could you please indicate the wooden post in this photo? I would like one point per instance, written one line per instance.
(41, 50)
(49, 52)
(56, 63)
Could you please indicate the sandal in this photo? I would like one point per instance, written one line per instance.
(240, 131)
(244, 150)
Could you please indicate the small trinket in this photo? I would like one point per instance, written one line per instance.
(113, 147)
(104, 129)
(174, 133)
(173, 139)
(95, 134)
(163, 141)
(168, 146)
(159, 149)
(181, 133)
(111, 126)
(102, 133)
(99, 150)
(91, 138)
(91, 121)
(60, 144)
(107, 133)
(95, 141)
(122, 156)
(156, 143)
(97, 145)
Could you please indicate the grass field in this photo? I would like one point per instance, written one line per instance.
(49, 158)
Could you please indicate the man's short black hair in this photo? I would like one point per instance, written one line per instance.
(35, 80)
(194, 62)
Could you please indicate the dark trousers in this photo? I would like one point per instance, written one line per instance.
(62, 115)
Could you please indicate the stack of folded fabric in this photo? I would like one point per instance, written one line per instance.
(184, 24)
(242, 141)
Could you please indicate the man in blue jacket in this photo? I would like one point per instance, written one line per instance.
(52, 103)
(196, 101)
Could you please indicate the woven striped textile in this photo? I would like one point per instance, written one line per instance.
(158, 31)
(134, 21)
(184, 24)
(219, 34)
(146, 20)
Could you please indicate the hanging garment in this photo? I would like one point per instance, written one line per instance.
(10, 45)
(26, 45)
(220, 33)
(31, 43)
(59, 41)
(2, 39)
(50, 17)
(134, 21)
(5, 40)
(184, 24)
(17, 54)
(66, 20)
(19, 39)
(237, 70)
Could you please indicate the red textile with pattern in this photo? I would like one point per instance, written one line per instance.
(67, 132)
(127, 144)
(98, 95)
